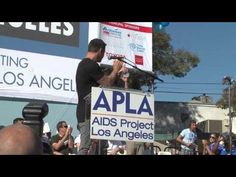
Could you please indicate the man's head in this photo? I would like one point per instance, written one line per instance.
(18, 120)
(97, 47)
(61, 127)
(193, 125)
(19, 139)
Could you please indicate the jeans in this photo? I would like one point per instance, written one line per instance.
(85, 140)
(186, 152)
(135, 148)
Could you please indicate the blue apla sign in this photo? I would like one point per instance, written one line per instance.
(122, 115)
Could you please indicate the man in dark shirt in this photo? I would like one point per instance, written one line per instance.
(88, 75)
(63, 142)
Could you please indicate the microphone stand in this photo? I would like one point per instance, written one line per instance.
(135, 67)
(151, 81)
(147, 73)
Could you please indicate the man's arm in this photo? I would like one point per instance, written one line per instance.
(110, 79)
(56, 146)
(71, 139)
(180, 140)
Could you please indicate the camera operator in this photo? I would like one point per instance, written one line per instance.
(63, 142)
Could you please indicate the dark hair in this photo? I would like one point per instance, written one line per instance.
(193, 121)
(96, 44)
(18, 119)
(59, 124)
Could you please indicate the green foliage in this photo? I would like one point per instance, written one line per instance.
(138, 79)
(224, 101)
(167, 61)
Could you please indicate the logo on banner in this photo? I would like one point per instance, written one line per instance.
(136, 47)
(111, 32)
(138, 59)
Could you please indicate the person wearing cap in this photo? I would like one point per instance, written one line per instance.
(46, 131)
(46, 139)
(89, 74)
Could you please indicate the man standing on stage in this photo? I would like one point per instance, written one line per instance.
(89, 74)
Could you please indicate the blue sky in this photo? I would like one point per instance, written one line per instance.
(215, 44)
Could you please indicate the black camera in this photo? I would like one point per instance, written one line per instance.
(33, 114)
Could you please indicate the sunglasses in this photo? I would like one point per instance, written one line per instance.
(213, 137)
(65, 126)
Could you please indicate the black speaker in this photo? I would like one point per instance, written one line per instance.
(33, 114)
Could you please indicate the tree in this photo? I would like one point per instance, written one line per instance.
(166, 60)
(224, 100)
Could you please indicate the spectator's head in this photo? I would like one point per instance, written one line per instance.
(18, 120)
(97, 46)
(213, 138)
(61, 127)
(19, 139)
(193, 125)
(46, 130)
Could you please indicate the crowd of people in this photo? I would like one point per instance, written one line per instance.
(20, 139)
(216, 144)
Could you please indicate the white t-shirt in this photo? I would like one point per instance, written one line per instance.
(189, 137)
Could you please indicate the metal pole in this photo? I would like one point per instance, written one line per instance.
(228, 80)
(99, 147)
(230, 121)
(152, 91)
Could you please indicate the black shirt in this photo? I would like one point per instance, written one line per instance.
(64, 149)
(87, 75)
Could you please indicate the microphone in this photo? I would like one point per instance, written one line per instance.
(115, 57)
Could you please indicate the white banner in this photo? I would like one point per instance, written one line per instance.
(37, 76)
(122, 115)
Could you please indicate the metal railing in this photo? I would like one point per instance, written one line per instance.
(172, 149)
(156, 149)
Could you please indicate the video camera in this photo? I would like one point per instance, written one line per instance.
(33, 114)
